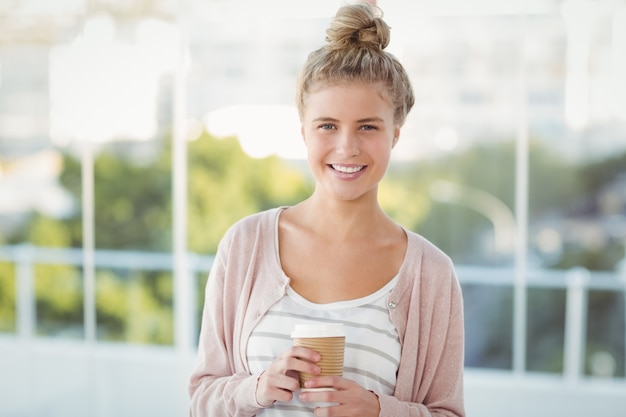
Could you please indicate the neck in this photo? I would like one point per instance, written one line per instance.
(344, 219)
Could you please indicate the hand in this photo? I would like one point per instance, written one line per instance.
(280, 379)
(352, 399)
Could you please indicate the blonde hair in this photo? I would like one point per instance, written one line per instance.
(354, 52)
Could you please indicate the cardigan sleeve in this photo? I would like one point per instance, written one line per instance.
(432, 361)
(216, 387)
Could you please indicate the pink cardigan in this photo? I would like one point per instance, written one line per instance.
(246, 279)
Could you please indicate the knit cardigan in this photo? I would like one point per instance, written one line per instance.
(246, 279)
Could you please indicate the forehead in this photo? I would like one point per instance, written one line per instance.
(359, 95)
(347, 85)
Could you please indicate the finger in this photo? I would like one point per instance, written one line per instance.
(305, 367)
(287, 365)
(297, 364)
(276, 387)
(325, 395)
(304, 353)
(285, 381)
(328, 381)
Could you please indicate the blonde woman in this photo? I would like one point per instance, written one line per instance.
(335, 257)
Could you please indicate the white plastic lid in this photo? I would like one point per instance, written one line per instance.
(318, 330)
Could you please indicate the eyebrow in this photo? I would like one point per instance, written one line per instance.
(365, 120)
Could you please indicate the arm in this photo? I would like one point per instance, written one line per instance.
(433, 346)
(218, 387)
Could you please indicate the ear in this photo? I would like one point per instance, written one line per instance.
(396, 136)
(302, 133)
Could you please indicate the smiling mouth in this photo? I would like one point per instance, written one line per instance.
(348, 170)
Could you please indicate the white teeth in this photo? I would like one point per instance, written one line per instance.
(347, 170)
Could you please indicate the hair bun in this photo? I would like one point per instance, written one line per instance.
(358, 25)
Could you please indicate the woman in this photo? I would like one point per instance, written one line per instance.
(335, 257)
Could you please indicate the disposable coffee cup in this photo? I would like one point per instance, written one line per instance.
(327, 339)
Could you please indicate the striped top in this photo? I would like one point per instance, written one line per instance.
(372, 350)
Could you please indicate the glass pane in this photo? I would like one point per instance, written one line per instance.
(546, 329)
(577, 203)
(457, 160)
(605, 334)
(489, 330)
(79, 93)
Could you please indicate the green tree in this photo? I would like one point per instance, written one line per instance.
(225, 185)
(489, 167)
(132, 201)
(598, 173)
(7, 297)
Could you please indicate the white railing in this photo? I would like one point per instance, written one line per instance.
(25, 257)
(576, 283)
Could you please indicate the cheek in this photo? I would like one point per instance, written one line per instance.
(315, 145)
(384, 155)
(383, 147)
(313, 151)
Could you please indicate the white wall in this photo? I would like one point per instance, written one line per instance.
(69, 379)
(54, 378)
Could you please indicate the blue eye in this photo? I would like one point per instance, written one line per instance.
(327, 126)
(368, 127)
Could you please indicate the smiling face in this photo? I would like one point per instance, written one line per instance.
(349, 132)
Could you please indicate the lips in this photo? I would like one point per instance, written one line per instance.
(347, 169)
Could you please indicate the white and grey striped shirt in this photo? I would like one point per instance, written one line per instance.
(372, 350)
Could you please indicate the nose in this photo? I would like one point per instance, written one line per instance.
(348, 145)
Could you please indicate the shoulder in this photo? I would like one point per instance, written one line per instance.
(427, 270)
(422, 250)
(250, 226)
(254, 230)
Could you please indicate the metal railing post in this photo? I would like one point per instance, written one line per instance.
(88, 223)
(520, 302)
(621, 276)
(181, 271)
(575, 324)
(25, 292)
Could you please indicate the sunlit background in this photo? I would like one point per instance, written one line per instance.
(133, 133)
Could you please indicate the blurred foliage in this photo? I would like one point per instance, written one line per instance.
(132, 200)
(201, 280)
(59, 300)
(7, 297)
(48, 232)
(599, 173)
(603, 258)
(135, 307)
(553, 184)
(133, 207)
(225, 185)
